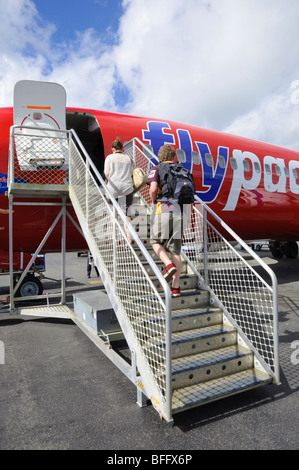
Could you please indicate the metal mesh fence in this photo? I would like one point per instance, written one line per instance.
(39, 156)
(124, 270)
(237, 280)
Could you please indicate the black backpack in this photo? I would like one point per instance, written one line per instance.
(177, 184)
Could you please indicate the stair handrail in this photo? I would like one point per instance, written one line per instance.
(84, 182)
(166, 302)
(273, 289)
(273, 370)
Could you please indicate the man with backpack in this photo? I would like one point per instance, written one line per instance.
(171, 190)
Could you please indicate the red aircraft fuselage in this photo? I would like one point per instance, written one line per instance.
(252, 186)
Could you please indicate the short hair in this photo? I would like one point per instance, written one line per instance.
(117, 144)
(166, 153)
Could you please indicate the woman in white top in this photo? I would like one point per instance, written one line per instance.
(118, 170)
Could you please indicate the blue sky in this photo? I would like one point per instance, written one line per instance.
(77, 15)
(228, 65)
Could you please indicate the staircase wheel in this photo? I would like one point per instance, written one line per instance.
(30, 286)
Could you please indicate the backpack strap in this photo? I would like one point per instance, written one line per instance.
(166, 190)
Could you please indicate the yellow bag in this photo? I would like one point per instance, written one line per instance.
(139, 179)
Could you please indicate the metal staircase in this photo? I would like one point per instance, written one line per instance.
(219, 337)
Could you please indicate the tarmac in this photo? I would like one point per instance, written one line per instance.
(60, 392)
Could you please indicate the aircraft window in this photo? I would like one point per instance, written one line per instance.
(234, 163)
(181, 155)
(257, 167)
(209, 159)
(277, 169)
(295, 173)
(221, 161)
(195, 157)
(246, 165)
(286, 171)
(267, 169)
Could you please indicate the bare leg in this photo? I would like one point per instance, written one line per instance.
(161, 252)
(127, 231)
(177, 261)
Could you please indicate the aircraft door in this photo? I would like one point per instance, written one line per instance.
(41, 108)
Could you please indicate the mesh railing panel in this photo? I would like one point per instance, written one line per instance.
(241, 285)
(125, 270)
(39, 157)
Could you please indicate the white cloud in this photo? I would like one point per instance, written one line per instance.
(210, 63)
(223, 64)
(28, 51)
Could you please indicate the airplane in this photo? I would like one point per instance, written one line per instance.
(253, 186)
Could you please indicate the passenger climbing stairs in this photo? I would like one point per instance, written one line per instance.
(209, 358)
(218, 338)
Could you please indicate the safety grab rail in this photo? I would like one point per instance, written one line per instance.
(257, 305)
(105, 226)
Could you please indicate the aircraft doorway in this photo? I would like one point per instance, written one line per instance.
(87, 128)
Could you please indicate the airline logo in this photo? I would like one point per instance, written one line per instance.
(3, 183)
(246, 166)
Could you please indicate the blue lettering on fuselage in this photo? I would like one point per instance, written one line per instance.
(212, 178)
(185, 143)
(155, 135)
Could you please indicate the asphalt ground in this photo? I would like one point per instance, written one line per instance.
(60, 392)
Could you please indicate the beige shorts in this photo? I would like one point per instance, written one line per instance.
(167, 230)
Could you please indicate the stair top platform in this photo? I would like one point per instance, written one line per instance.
(38, 190)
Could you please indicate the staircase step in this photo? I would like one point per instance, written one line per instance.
(123, 264)
(202, 339)
(187, 300)
(191, 299)
(151, 252)
(191, 319)
(199, 340)
(184, 320)
(190, 370)
(199, 394)
(187, 282)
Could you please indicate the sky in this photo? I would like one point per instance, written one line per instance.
(227, 65)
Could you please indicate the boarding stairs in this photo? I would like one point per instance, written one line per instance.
(219, 337)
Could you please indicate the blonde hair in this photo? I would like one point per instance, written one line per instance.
(166, 153)
(117, 144)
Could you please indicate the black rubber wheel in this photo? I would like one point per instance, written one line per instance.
(277, 250)
(31, 286)
(291, 250)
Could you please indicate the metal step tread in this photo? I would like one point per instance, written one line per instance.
(195, 395)
(191, 298)
(183, 320)
(209, 357)
(188, 299)
(188, 319)
(189, 336)
(190, 312)
(52, 311)
(187, 281)
(207, 366)
(208, 331)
